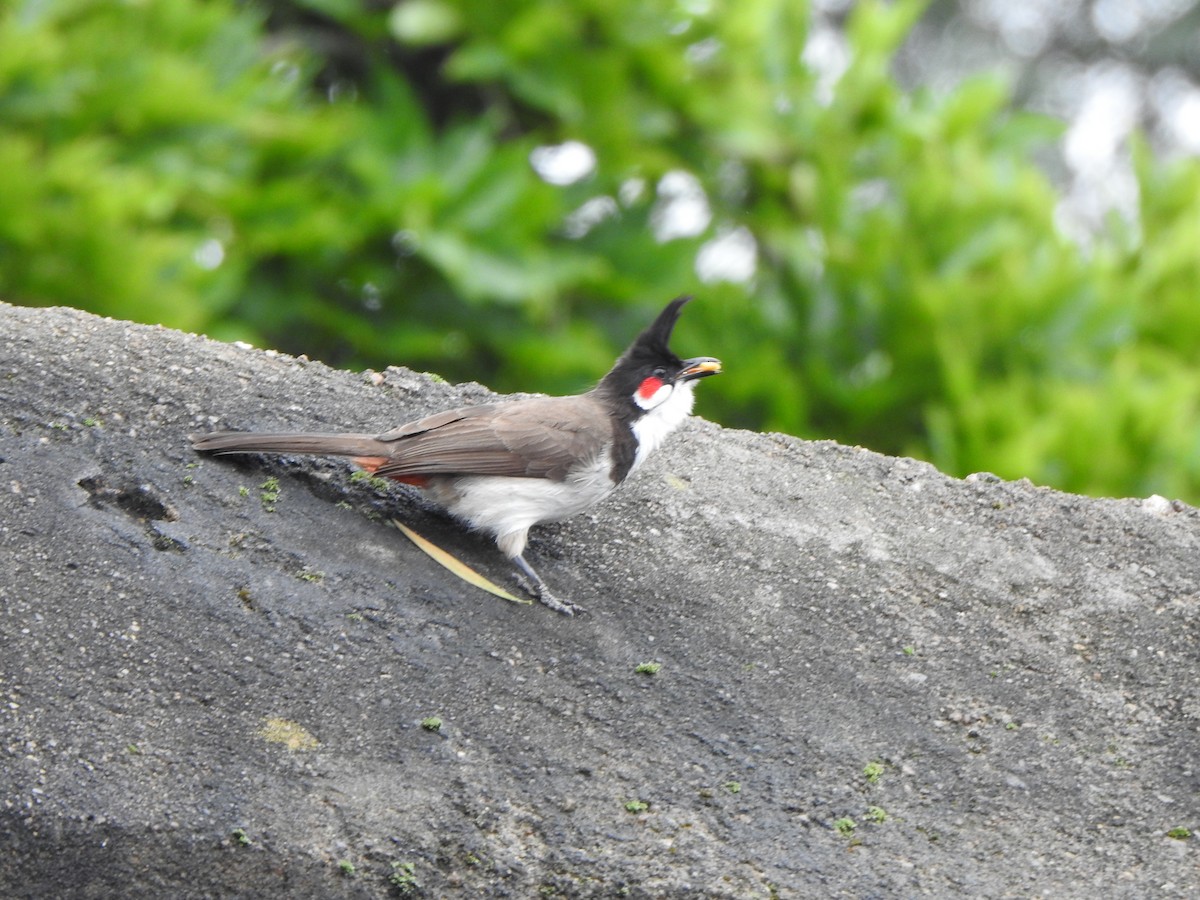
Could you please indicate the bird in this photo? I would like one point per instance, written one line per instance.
(507, 466)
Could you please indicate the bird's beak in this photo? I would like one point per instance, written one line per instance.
(700, 367)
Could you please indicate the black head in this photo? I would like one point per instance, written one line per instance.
(649, 365)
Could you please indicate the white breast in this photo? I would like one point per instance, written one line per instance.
(504, 505)
(652, 428)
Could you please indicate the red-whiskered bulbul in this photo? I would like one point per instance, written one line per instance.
(504, 467)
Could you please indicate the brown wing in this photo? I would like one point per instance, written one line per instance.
(538, 438)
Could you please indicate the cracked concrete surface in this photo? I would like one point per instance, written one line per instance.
(875, 680)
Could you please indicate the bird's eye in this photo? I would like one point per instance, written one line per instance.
(660, 373)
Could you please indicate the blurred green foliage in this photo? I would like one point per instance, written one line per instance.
(353, 180)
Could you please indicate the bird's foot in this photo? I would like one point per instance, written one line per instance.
(542, 594)
(562, 606)
(533, 585)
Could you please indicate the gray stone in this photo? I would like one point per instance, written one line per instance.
(995, 682)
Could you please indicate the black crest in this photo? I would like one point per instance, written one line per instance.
(657, 337)
(653, 344)
(650, 349)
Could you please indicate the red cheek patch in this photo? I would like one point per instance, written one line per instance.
(648, 387)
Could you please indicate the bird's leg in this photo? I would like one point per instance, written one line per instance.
(533, 584)
(512, 545)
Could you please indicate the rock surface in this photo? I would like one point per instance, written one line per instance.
(875, 680)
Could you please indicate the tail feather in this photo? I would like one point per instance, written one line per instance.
(317, 444)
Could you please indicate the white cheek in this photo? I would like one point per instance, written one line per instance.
(654, 399)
